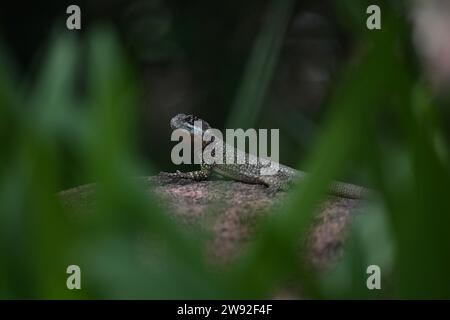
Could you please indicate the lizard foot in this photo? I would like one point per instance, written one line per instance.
(193, 175)
(175, 175)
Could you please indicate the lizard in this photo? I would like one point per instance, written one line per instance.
(250, 172)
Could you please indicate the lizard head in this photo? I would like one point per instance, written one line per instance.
(193, 124)
(190, 123)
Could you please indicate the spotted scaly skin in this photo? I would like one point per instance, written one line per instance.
(250, 171)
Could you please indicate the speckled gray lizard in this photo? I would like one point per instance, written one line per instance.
(250, 172)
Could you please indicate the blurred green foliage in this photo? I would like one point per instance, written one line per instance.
(261, 65)
(78, 114)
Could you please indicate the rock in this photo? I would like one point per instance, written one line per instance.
(231, 210)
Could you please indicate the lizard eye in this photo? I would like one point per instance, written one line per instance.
(191, 119)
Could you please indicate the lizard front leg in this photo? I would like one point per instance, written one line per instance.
(199, 175)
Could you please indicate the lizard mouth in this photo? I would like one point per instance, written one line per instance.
(174, 124)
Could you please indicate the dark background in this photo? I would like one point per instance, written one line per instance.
(190, 57)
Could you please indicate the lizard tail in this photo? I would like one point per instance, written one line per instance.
(348, 190)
